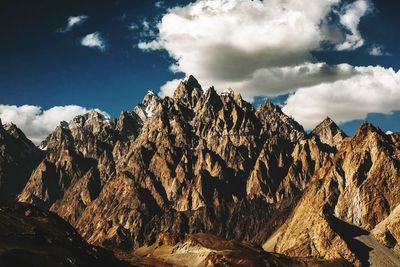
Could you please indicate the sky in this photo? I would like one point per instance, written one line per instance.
(315, 58)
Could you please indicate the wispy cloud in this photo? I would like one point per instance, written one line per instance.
(378, 50)
(159, 4)
(94, 40)
(133, 26)
(72, 22)
(37, 123)
(350, 19)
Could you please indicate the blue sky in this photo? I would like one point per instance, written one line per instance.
(40, 66)
(43, 62)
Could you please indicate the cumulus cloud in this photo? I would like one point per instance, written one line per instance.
(350, 19)
(252, 45)
(378, 50)
(94, 40)
(74, 21)
(37, 123)
(264, 49)
(372, 90)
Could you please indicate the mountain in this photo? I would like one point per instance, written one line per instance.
(329, 133)
(205, 163)
(348, 198)
(31, 237)
(194, 162)
(18, 157)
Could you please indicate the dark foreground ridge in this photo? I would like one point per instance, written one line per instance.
(31, 237)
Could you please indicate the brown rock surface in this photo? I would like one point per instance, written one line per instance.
(329, 133)
(355, 191)
(201, 162)
(209, 250)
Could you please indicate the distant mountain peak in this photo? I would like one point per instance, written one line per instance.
(329, 132)
(192, 82)
(188, 92)
(148, 106)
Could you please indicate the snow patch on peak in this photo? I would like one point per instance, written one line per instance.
(149, 110)
(148, 106)
(227, 92)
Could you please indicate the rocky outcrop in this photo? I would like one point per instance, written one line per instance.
(18, 158)
(388, 230)
(188, 92)
(147, 107)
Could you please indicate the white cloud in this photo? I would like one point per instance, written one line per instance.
(37, 123)
(74, 21)
(350, 19)
(159, 4)
(372, 90)
(94, 40)
(260, 48)
(169, 87)
(263, 48)
(378, 50)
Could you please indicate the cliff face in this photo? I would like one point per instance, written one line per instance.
(349, 197)
(203, 162)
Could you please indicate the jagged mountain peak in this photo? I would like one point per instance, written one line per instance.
(368, 128)
(150, 96)
(271, 108)
(89, 119)
(192, 82)
(329, 132)
(148, 106)
(13, 130)
(232, 94)
(368, 136)
(188, 92)
(275, 121)
(228, 92)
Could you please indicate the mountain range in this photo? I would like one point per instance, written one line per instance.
(204, 179)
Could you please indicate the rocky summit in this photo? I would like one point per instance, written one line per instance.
(206, 179)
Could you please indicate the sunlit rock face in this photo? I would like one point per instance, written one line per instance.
(353, 194)
(203, 162)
